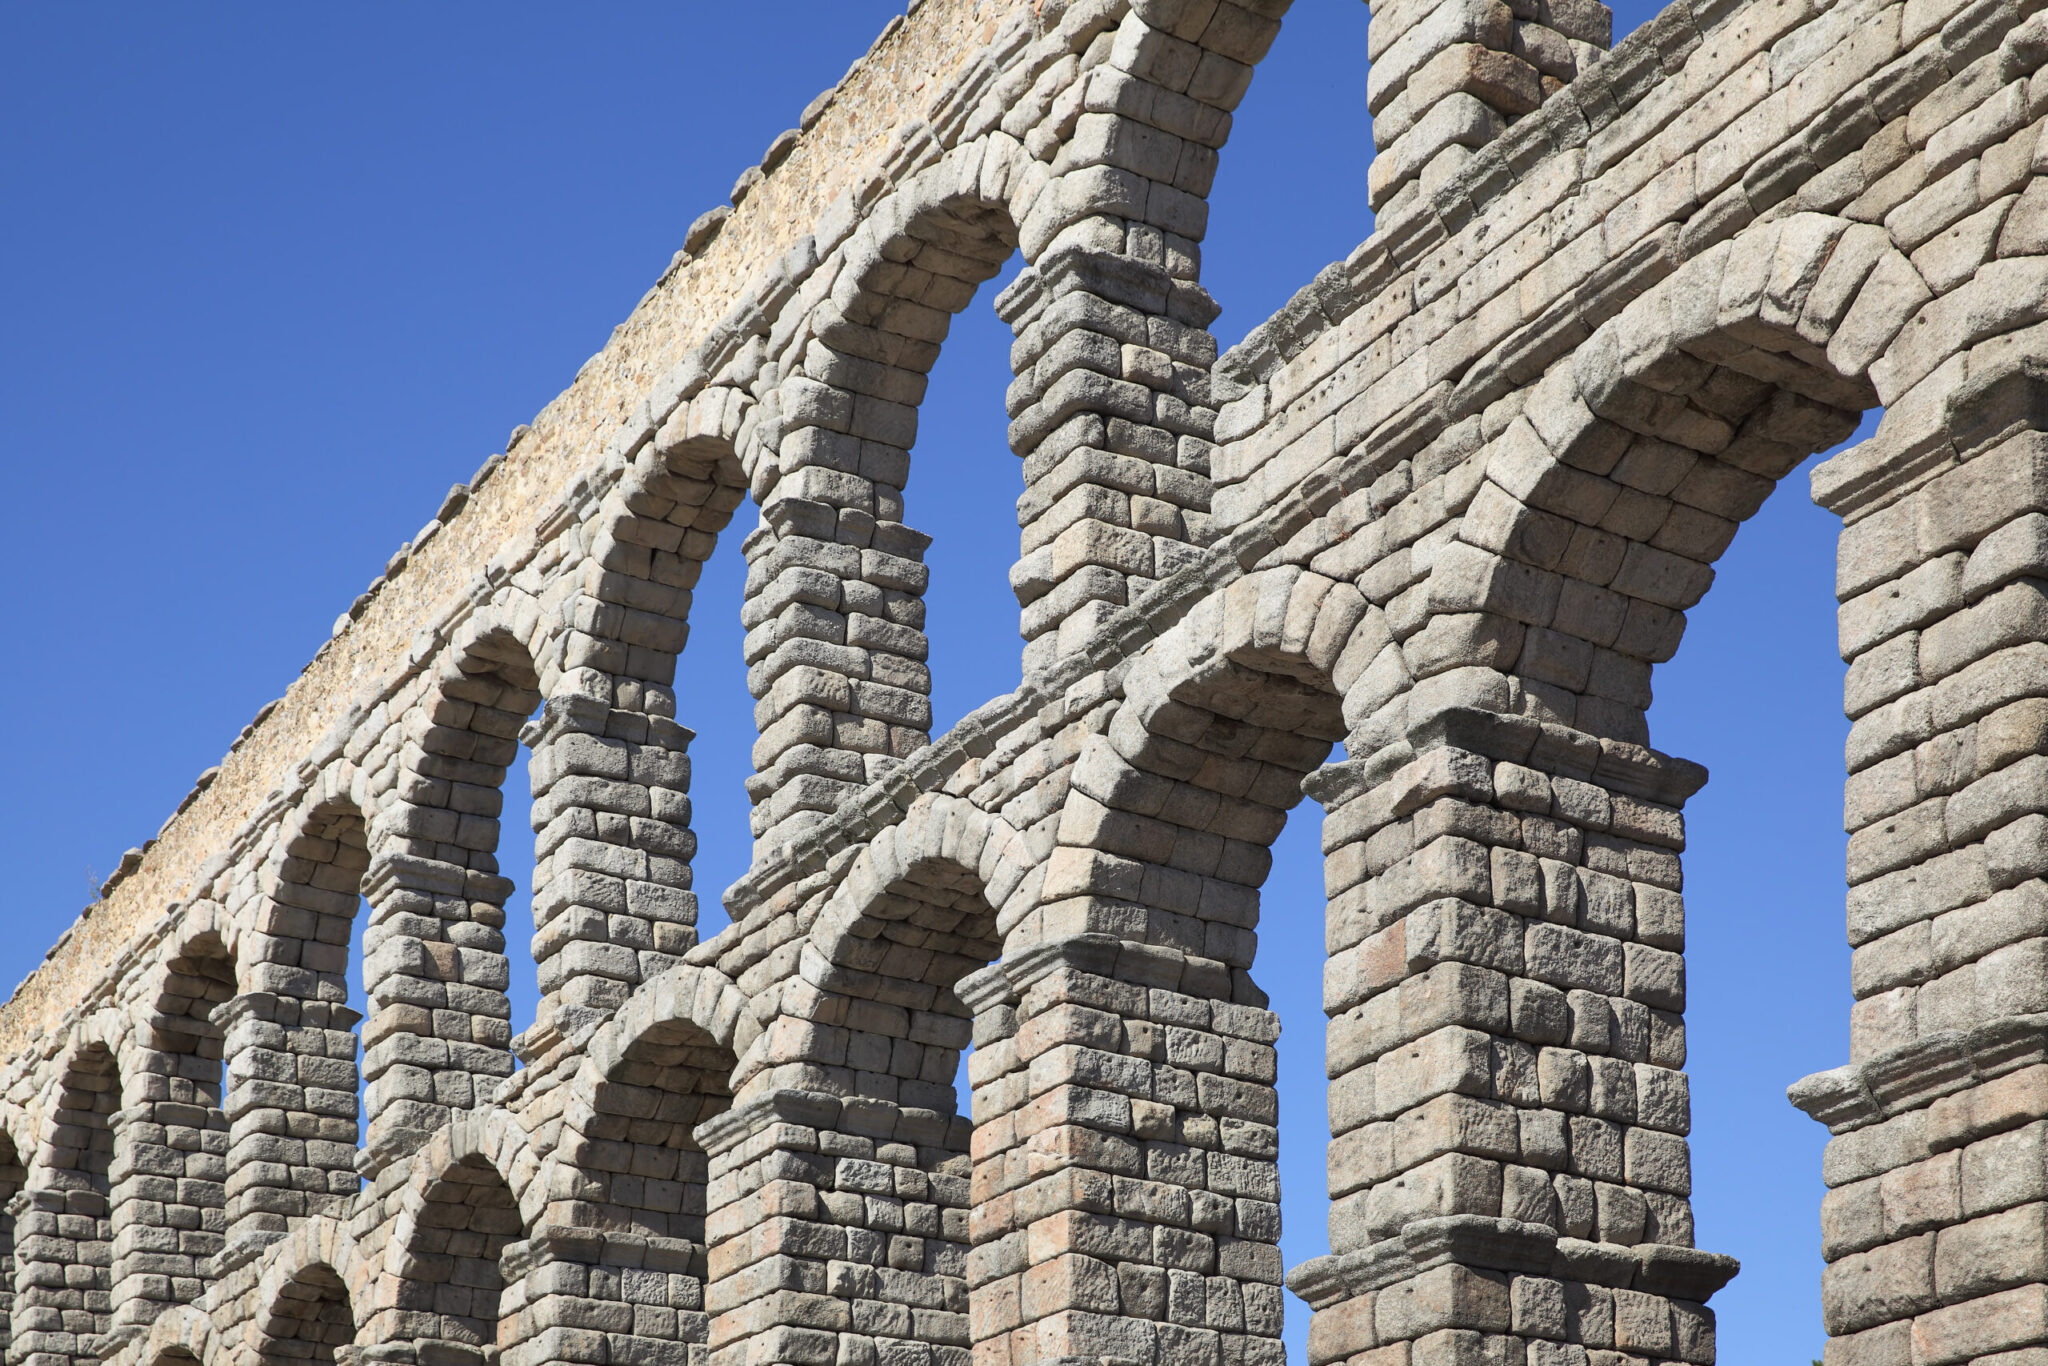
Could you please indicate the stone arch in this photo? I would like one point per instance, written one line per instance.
(938, 829)
(490, 1137)
(434, 961)
(181, 1334)
(308, 1319)
(655, 531)
(1630, 465)
(305, 1300)
(295, 938)
(1223, 720)
(614, 908)
(915, 913)
(1173, 807)
(835, 646)
(312, 888)
(1939, 579)
(659, 1069)
(473, 1194)
(696, 993)
(208, 924)
(1502, 790)
(1139, 945)
(64, 1229)
(169, 1216)
(653, 535)
(289, 1041)
(1511, 817)
(1286, 623)
(652, 1075)
(864, 1042)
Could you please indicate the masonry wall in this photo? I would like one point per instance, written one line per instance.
(1412, 551)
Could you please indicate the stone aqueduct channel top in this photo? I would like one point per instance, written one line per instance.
(1411, 551)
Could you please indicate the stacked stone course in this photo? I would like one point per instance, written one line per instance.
(1412, 550)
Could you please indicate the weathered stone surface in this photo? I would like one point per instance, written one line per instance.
(1447, 509)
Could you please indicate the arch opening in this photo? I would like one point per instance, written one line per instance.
(1172, 813)
(292, 1140)
(452, 1281)
(310, 1321)
(169, 1212)
(641, 1141)
(688, 487)
(1517, 840)
(64, 1233)
(439, 1037)
(1754, 693)
(897, 966)
(887, 958)
(839, 661)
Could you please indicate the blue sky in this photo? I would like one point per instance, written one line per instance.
(274, 277)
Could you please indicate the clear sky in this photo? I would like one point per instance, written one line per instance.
(272, 278)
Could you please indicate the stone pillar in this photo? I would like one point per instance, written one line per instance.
(48, 1314)
(1111, 407)
(1509, 1174)
(1935, 1225)
(612, 904)
(1112, 417)
(836, 1232)
(835, 642)
(290, 1101)
(1126, 1193)
(62, 1258)
(1446, 77)
(439, 1034)
(595, 1298)
(169, 1213)
(63, 1230)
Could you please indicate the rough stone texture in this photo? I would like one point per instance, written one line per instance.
(1447, 509)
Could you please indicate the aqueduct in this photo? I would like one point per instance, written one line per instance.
(1411, 550)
